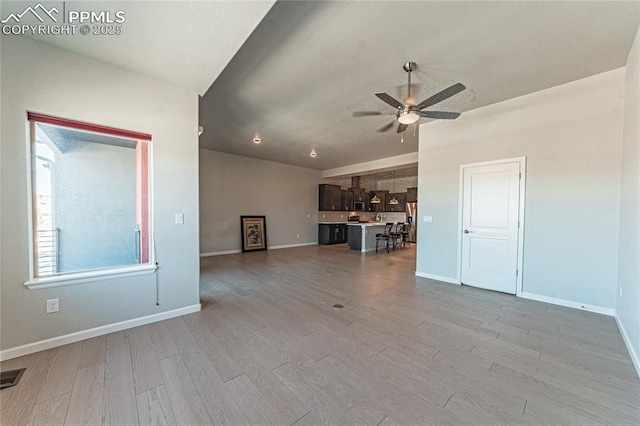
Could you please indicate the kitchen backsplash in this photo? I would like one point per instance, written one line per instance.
(371, 217)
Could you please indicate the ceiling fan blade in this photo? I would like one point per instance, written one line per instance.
(441, 115)
(402, 128)
(441, 96)
(386, 127)
(366, 113)
(388, 99)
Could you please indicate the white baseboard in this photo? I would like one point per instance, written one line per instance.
(632, 352)
(219, 253)
(94, 332)
(293, 245)
(437, 278)
(568, 303)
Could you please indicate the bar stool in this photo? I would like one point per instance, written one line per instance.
(385, 236)
(397, 236)
(405, 235)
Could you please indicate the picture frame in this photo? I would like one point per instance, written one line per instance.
(253, 233)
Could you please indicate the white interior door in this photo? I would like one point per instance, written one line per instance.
(490, 215)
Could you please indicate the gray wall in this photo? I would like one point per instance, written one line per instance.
(102, 179)
(628, 305)
(572, 138)
(45, 79)
(232, 185)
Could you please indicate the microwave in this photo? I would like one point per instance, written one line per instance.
(358, 205)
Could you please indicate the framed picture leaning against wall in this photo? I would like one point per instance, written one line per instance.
(254, 233)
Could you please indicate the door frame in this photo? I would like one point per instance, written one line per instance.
(521, 202)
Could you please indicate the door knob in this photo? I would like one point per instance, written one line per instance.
(466, 231)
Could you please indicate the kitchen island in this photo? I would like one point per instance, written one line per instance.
(362, 236)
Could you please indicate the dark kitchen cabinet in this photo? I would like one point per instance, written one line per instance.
(332, 233)
(329, 197)
(360, 196)
(401, 197)
(346, 200)
(412, 195)
(379, 207)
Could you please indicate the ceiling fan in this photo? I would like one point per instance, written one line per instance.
(409, 112)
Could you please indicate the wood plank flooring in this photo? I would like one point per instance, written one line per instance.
(269, 349)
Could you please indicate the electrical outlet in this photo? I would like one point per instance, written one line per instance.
(53, 305)
(298, 236)
(179, 218)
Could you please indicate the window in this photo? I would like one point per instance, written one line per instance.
(90, 199)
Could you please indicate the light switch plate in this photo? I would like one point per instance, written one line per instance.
(427, 219)
(179, 218)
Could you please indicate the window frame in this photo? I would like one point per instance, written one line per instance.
(71, 278)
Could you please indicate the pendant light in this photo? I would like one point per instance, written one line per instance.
(393, 200)
(375, 199)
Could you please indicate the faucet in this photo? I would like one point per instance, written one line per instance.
(379, 217)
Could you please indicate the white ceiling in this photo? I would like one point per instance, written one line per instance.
(293, 72)
(307, 66)
(187, 43)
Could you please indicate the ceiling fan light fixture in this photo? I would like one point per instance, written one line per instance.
(408, 116)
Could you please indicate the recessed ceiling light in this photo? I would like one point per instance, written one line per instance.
(313, 153)
(257, 140)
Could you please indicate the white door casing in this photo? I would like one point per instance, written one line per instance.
(491, 224)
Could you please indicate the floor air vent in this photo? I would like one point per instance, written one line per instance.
(10, 378)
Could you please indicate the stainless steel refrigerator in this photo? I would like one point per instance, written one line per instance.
(412, 211)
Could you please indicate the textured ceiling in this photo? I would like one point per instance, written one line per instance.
(308, 65)
(187, 43)
(292, 73)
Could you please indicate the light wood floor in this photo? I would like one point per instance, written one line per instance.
(269, 349)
